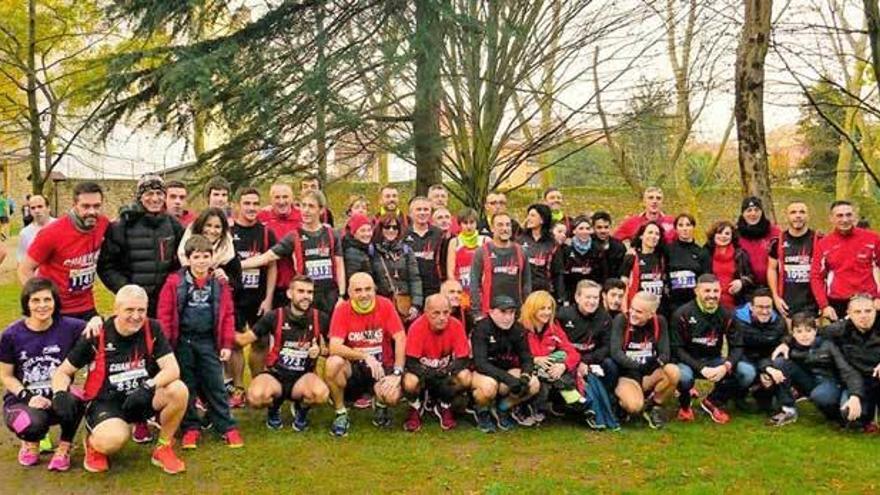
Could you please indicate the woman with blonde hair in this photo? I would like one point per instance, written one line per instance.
(556, 359)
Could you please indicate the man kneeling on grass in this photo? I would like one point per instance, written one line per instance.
(133, 376)
(437, 357)
(296, 338)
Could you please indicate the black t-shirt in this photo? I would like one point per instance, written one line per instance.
(249, 242)
(652, 276)
(318, 253)
(297, 335)
(797, 256)
(126, 361)
(427, 250)
(540, 257)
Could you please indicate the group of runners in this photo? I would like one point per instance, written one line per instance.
(472, 314)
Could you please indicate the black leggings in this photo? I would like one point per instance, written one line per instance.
(31, 424)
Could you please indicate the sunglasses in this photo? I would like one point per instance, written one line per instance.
(390, 227)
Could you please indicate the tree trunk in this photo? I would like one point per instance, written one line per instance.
(33, 111)
(549, 84)
(749, 107)
(321, 104)
(428, 142)
(872, 21)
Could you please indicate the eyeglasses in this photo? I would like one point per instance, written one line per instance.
(390, 227)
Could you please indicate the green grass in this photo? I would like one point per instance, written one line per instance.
(744, 456)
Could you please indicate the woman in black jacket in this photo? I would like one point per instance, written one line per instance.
(687, 260)
(395, 269)
(356, 244)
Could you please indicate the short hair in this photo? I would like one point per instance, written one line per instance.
(651, 189)
(707, 278)
(436, 187)
(587, 284)
(303, 279)
(685, 215)
(312, 178)
(651, 299)
(197, 244)
(549, 190)
(613, 283)
(40, 196)
(318, 196)
(839, 202)
(387, 187)
(87, 187)
(467, 215)
(247, 191)
(861, 296)
(803, 319)
(418, 198)
(175, 183)
(718, 227)
(502, 214)
(217, 184)
(601, 215)
(760, 292)
(37, 284)
(131, 291)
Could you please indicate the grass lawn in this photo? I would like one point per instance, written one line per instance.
(742, 457)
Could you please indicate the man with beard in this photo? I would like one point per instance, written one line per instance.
(499, 268)
(67, 250)
(611, 250)
(297, 335)
(389, 202)
(613, 292)
(788, 268)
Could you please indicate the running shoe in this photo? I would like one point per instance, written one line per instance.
(871, 428)
(685, 414)
(784, 417)
(504, 420)
(233, 439)
(413, 421)
(273, 418)
(165, 458)
(381, 416)
(300, 416)
(654, 417)
(60, 460)
(190, 439)
(141, 433)
(341, 425)
(522, 415)
(446, 416)
(717, 414)
(590, 418)
(29, 454)
(94, 461)
(364, 402)
(485, 422)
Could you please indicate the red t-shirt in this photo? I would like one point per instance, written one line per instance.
(630, 227)
(69, 258)
(371, 333)
(281, 225)
(437, 350)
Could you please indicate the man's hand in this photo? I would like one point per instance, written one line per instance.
(781, 305)
(413, 313)
(376, 369)
(39, 402)
(141, 398)
(735, 287)
(853, 408)
(388, 384)
(543, 362)
(583, 369)
(775, 375)
(829, 313)
(556, 370)
(93, 327)
(597, 370)
(225, 354)
(314, 350)
(714, 373)
(265, 307)
(219, 274)
(781, 351)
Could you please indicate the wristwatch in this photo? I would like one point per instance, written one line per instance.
(398, 371)
(150, 383)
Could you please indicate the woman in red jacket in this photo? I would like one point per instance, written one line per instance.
(729, 263)
(755, 233)
(556, 359)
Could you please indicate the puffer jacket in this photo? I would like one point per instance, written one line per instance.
(396, 264)
(356, 256)
(759, 339)
(140, 248)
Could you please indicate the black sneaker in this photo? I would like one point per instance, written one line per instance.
(485, 423)
(273, 418)
(654, 417)
(381, 416)
(504, 420)
(590, 419)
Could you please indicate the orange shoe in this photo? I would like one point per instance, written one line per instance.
(685, 415)
(94, 461)
(165, 458)
(190, 439)
(233, 439)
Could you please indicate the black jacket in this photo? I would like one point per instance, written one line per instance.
(823, 358)
(496, 351)
(395, 270)
(686, 261)
(356, 256)
(589, 334)
(592, 265)
(759, 339)
(698, 337)
(140, 248)
(861, 350)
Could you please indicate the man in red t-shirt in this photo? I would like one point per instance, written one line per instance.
(362, 357)
(66, 252)
(281, 218)
(653, 200)
(437, 357)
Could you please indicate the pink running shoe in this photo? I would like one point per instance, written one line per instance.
(61, 459)
(141, 433)
(29, 454)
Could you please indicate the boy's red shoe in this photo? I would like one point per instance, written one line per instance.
(233, 439)
(685, 415)
(94, 461)
(165, 458)
(190, 439)
(717, 414)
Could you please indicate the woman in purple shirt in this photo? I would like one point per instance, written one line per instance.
(30, 350)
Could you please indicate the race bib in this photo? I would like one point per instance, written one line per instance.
(640, 356)
(319, 269)
(43, 388)
(653, 286)
(376, 352)
(683, 279)
(294, 358)
(250, 279)
(797, 274)
(80, 279)
(127, 381)
(464, 277)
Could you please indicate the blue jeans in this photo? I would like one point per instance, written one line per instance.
(202, 372)
(723, 390)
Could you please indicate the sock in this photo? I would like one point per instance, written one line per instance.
(416, 403)
(503, 405)
(163, 441)
(341, 411)
(445, 405)
(379, 405)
